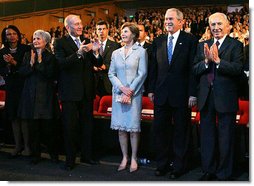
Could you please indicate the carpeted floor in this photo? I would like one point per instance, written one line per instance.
(19, 169)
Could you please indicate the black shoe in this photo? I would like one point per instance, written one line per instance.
(207, 177)
(174, 175)
(88, 162)
(67, 167)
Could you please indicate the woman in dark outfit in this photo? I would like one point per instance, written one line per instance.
(11, 56)
(38, 104)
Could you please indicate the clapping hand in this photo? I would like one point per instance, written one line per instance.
(211, 54)
(9, 59)
(32, 60)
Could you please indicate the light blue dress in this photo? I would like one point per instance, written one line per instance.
(130, 71)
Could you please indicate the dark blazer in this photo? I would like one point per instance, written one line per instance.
(13, 81)
(76, 78)
(148, 47)
(226, 76)
(174, 82)
(38, 99)
(106, 58)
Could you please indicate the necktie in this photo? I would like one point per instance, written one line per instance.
(212, 67)
(101, 49)
(77, 42)
(170, 48)
(139, 44)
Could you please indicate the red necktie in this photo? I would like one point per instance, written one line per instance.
(212, 66)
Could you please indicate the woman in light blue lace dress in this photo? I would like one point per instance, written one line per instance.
(127, 73)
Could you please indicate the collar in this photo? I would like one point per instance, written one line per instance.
(175, 35)
(104, 42)
(74, 38)
(220, 40)
(142, 43)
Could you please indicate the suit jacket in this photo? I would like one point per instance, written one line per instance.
(76, 78)
(106, 58)
(38, 99)
(174, 82)
(148, 47)
(129, 71)
(226, 75)
(14, 82)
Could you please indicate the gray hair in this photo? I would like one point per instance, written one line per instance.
(45, 35)
(179, 14)
(218, 14)
(67, 20)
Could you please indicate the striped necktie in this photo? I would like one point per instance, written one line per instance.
(170, 48)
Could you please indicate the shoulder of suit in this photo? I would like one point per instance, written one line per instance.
(159, 38)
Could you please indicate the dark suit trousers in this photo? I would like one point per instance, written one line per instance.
(171, 134)
(217, 141)
(43, 131)
(77, 118)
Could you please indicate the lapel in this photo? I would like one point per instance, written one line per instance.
(107, 47)
(71, 43)
(179, 44)
(224, 45)
(133, 48)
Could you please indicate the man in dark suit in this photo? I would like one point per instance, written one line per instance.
(218, 65)
(172, 88)
(143, 31)
(102, 84)
(76, 90)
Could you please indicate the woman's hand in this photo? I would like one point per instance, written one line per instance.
(126, 99)
(32, 60)
(127, 91)
(39, 51)
(9, 59)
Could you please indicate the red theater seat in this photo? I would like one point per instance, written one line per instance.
(96, 103)
(2, 95)
(147, 112)
(2, 98)
(242, 117)
(195, 115)
(105, 106)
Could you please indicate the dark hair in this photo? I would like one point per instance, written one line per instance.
(146, 28)
(4, 39)
(102, 22)
(133, 28)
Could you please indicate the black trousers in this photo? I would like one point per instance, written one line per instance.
(216, 139)
(77, 119)
(43, 131)
(172, 134)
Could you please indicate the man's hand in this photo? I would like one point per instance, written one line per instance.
(192, 101)
(207, 53)
(215, 54)
(151, 97)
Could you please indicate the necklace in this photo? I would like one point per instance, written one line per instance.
(13, 50)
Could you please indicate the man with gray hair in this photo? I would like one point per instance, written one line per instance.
(76, 90)
(218, 65)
